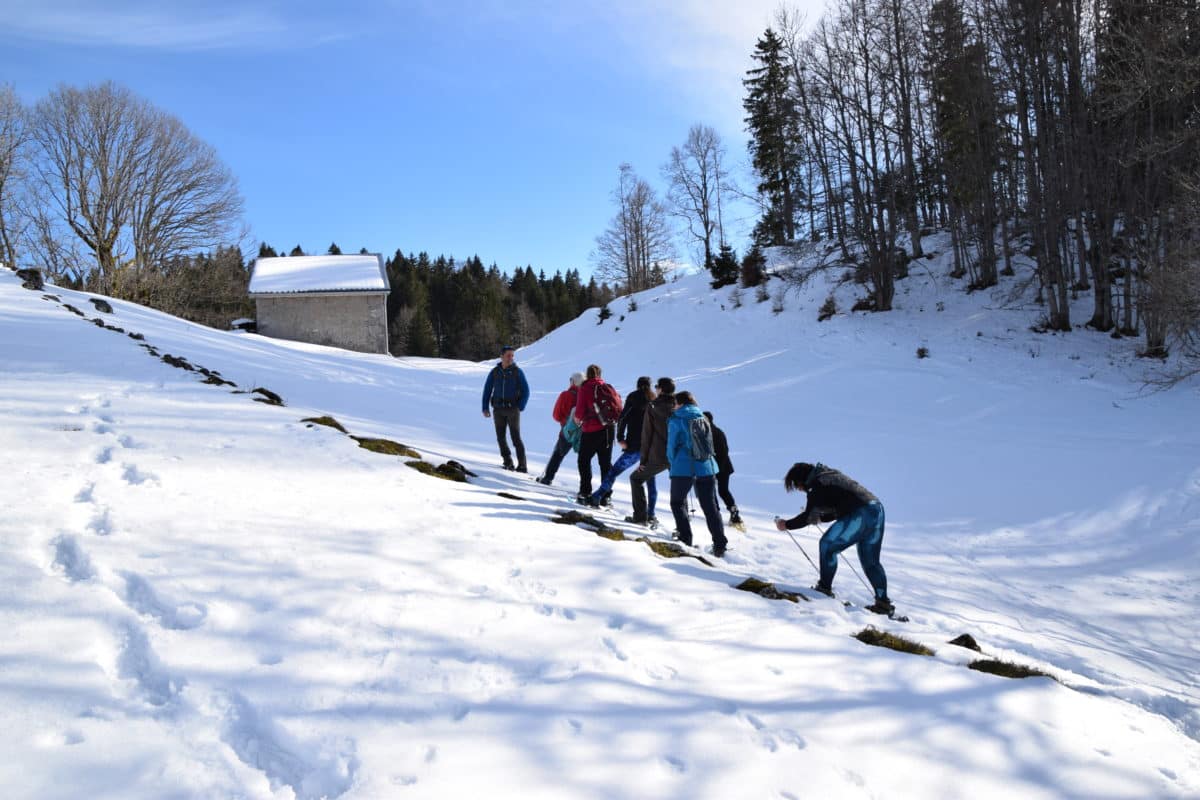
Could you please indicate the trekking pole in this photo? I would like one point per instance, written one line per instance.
(802, 550)
(846, 561)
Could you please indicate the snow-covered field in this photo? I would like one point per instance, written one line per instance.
(205, 597)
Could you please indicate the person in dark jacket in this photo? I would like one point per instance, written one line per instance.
(688, 471)
(859, 521)
(597, 438)
(653, 456)
(721, 453)
(507, 392)
(563, 408)
(629, 437)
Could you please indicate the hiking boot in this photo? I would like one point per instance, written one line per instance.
(508, 465)
(635, 521)
(543, 480)
(652, 521)
(606, 499)
(583, 498)
(735, 519)
(882, 606)
(718, 552)
(825, 590)
(681, 540)
(522, 468)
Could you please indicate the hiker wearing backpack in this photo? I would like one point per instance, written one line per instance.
(629, 437)
(564, 407)
(859, 521)
(690, 451)
(596, 411)
(725, 470)
(653, 456)
(507, 392)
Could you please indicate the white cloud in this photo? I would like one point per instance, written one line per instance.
(704, 46)
(137, 24)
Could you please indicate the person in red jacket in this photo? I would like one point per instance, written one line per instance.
(597, 439)
(563, 408)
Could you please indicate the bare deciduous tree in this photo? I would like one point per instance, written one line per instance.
(129, 181)
(697, 178)
(14, 135)
(637, 239)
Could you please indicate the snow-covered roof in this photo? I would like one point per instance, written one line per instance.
(294, 274)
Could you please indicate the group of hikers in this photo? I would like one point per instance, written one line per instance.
(661, 429)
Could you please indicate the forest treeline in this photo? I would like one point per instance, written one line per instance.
(445, 308)
(1069, 129)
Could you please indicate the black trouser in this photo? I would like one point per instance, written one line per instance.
(597, 443)
(706, 494)
(723, 490)
(561, 448)
(510, 419)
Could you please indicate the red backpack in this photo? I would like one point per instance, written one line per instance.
(606, 403)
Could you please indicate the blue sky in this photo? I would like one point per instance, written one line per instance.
(490, 128)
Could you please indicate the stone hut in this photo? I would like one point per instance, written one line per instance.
(340, 301)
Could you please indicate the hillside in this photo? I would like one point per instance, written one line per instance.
(207, 597)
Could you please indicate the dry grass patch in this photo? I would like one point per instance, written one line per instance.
(877, 638)
(768, 590)
(1007, 669)
(327, 421)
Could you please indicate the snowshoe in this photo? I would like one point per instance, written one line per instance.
(882, 606)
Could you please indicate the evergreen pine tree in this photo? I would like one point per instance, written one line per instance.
(334, 250)
(772, 122)
(754, 267)
(724, 267)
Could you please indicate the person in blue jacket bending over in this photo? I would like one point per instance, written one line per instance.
(859, 521)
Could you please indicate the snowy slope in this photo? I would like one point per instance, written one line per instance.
(205, 597)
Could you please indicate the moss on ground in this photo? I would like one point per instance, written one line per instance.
(671, 550)
(268, 397)
(1007, 669)
(768, 590)
(386, 446)
(445, 471)
(873, 636)
(327, 421)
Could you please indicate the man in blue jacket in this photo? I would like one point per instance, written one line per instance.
(506, 392)
(690, 453)
(859, 521)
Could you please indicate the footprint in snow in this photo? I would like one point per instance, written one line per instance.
(676, 764)
(141, 597)
(137, 661)
(311, 770)
(70, 558)
(616, 651)
(101, 522)
(104, 456)
(86, 494)
(135, 477)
